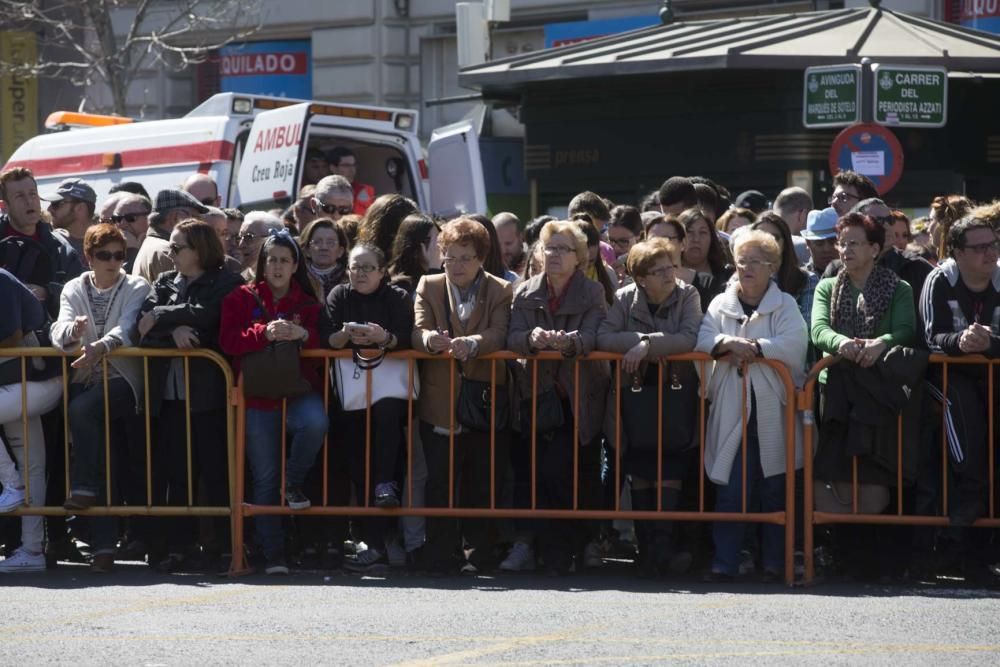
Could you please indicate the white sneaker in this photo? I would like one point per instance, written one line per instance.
(520, 559)
(23, 560)
(11, 499)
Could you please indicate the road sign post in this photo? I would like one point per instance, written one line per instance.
(910, 96)
(831, 96)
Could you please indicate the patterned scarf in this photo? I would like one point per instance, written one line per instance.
(862, 320)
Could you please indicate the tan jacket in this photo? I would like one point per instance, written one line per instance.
(487, 326)
(581, 311)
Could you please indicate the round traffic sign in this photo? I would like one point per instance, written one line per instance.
(869, 149)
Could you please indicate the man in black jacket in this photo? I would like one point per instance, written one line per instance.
(960, 307)
(24, 220)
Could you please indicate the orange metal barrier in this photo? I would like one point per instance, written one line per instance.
(813, 518)
(147, 509)
(785, 518)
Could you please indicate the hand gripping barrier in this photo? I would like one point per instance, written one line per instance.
(813, 518)
(574, 511)
(137, 509)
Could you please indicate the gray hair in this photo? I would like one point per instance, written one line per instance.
(128, 198)
(865, 204)
(792, 199)
(334, 185)
(267, 221)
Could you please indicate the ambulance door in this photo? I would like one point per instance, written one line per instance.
(272, 157)
(456, 170)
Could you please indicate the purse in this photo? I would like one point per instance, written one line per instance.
(390, 379)
(550, 412)
(837, 497)
(678, 403)
(472, 408)
(274, 372)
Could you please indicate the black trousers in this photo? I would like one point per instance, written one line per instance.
(471, 486)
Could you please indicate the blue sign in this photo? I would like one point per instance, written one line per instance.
(561, 34)
(871, 150)
(280, 68)
(981, 15)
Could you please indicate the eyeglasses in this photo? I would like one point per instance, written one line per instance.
(248, 236)
(107, 255)
(128, 217)
(557, 250)
(744, 264)
(330, 209)
(621, 243)
(983, 248)
(841, 197)
(851, 245)
(332, 243)
(175, 249)
(363, 268)
(662, 272)
(458, 261)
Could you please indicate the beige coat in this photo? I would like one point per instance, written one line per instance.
(487, 326)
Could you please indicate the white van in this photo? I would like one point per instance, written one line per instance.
(254, 147)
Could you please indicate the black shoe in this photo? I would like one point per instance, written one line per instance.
(415, 560)
(295, 499)
(64, 550)
(386, 495)
(713, 577)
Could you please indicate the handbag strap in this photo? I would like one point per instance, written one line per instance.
(263, 308)
(367, 363)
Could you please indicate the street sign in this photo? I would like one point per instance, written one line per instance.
(871, 150)
(831, 96)
(910, 96)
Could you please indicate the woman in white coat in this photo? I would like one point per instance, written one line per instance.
(752, 318)
(98, 312)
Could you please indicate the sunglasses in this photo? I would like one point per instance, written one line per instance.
(208, 201)
(128, 217)
(175, 249)
(331, 209)
(107, 255)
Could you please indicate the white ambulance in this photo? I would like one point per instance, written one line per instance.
(255, 149)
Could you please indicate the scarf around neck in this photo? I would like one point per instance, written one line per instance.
(861, 320)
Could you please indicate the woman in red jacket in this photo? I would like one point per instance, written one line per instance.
(290, 313)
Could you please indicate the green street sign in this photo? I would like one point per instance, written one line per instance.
(910, 96)
(832, 96)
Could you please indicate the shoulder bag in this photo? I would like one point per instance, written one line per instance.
(677, 401)
(274, 372)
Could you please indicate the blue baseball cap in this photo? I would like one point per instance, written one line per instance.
(73, 188)
(820, 225)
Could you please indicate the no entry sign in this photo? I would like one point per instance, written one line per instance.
(871, 150)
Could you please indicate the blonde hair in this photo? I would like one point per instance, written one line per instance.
(644, 255)
(763, 241)
(573, 231)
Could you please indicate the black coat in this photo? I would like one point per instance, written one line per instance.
(860, 418)
(388, 306)
(64, 262)
(201, 310)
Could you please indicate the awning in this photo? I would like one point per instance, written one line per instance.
(785, 41)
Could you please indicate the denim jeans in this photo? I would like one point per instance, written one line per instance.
(306, 425)
(86, 424)
(728, 536)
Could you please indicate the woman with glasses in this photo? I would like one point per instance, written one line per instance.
(560, 310)
(324, 245)
(624, 231)
(183, 313)
(705, 255)
(414, 252)
(655, 317)
(461, 314)
(280, 306)
(97, 315)
(751, 319)
(363, 314)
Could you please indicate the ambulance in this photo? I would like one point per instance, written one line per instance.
(254, 147)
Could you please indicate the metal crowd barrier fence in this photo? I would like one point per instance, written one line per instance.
(784, 518)
(813, 518)
(148, 508)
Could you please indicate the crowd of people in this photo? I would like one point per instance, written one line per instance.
(688, 269)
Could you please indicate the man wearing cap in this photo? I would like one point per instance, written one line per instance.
(23, 220)
(345, 163)
(71, 207)
(753, 200)
(821, 239)
(171, 207)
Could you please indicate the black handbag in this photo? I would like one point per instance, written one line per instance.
(549, 416)
(474, 400)
(275, 371)
(678, 402)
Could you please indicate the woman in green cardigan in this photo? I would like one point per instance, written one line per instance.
(866, 309)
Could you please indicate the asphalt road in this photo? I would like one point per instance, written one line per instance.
(135, 617)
